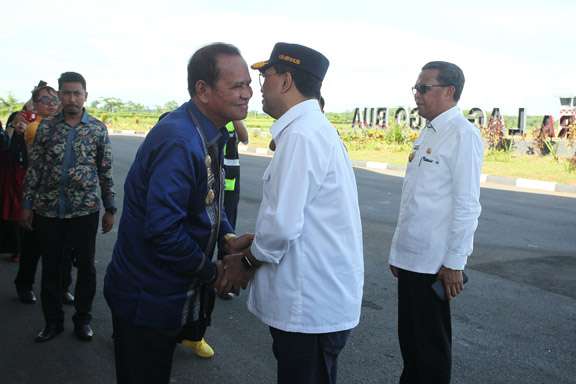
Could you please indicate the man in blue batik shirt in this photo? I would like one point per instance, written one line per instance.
(172, 219)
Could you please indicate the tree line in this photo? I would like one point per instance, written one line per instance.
(10, 104)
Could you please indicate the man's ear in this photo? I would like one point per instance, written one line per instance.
(287, 82)
(202, 91)
(450, 91)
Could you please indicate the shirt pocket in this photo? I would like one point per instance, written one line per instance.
(429, 166)
(433, 175)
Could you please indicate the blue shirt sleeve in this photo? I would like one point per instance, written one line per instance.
(172, 181)
(225, 226)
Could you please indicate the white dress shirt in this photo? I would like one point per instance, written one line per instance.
(308, 230)
(440, 197)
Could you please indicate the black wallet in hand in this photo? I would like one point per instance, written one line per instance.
(438, 287)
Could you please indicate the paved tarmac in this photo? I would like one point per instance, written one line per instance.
(515, 322)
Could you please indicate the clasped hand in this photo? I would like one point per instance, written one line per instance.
(232, 273)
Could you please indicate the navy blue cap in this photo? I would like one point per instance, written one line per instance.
(297, 56)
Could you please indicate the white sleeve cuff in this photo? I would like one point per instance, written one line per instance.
(456, 262)
(262, 255)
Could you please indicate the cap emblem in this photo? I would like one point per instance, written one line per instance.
(289, 59)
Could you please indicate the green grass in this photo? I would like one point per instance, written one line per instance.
(383, 154)
(389, 146)
(543, 168)
(497, 163)
(259, 141)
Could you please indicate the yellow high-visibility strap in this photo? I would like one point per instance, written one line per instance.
(230, 184)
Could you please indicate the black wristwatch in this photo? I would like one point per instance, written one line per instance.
(111, 210)
(247, 263)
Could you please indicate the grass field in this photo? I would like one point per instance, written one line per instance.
(387, 146)
(497, 163)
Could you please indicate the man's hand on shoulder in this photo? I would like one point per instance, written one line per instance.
(453, 281)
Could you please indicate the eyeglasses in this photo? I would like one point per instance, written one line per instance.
(423, 88)
(262, 77)
(49, 100)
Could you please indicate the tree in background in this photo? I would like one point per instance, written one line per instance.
(9, 104)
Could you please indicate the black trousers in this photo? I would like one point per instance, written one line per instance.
(142, 355)
(30, 252)
(9, 237)
(55, 236)
(307, 358)
(424, 330)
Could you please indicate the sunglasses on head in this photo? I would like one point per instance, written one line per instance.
(423, 88)
(49, 100)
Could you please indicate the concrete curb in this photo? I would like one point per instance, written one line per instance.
(537, 185)
(116, 132)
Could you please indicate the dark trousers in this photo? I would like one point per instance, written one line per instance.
(9, 236)
(424, 330)
(307, 358)
(30, 252)
(142, 355)
(55, 236)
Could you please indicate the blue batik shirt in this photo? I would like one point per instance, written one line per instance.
(165, 225)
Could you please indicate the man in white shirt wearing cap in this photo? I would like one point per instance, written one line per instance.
(306, 259)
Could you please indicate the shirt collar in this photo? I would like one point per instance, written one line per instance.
(211, 133)
(291, 115)
(440, 122)
(85, 117)
(84, 120)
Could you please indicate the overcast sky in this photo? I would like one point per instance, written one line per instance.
(513, 53)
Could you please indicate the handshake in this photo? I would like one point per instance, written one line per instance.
(238, 266)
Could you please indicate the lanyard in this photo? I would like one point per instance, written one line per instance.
(213, 206)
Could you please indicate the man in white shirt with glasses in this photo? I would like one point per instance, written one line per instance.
(306, 258)
(438, 216)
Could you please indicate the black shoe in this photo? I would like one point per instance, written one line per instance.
(84, 332)
(68, 298)
(48, 333)
(26, 296)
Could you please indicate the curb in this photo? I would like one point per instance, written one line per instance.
(537, 185)
(256, 151)
(116, 132)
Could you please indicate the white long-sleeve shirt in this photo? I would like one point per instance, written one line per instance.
(308, 230)
(440, 202)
